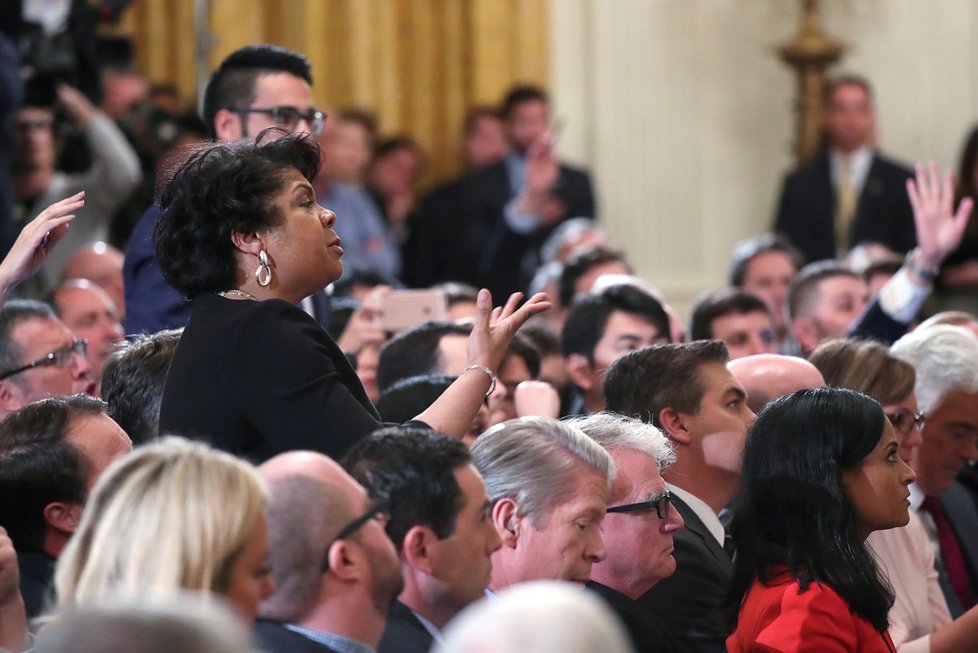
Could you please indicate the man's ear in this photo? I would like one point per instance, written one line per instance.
(345, 560)
(228, 125)
(674, 425)
(506, 522)
(804, 331)
(580, 371)
(11, 397)
(417, 548)
(63, 517)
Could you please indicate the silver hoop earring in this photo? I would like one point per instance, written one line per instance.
(263, 275)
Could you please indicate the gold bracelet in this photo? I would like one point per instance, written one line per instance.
(488, 372)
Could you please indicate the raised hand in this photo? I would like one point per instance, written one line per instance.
(36, 239)
(495, 327)
(939, 228)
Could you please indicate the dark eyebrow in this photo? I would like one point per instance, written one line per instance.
(303, 186)
(738, 393)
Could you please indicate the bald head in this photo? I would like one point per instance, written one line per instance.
(101, 264)
(769, 376)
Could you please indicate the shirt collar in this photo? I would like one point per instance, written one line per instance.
(332, 640)
(430, 627)
(701, 510)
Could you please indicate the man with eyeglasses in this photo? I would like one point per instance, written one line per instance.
(687, 392)
(39, 356)
(945, 360)
(440, 523)
(255, 87)
(638, 527)
(336, 571)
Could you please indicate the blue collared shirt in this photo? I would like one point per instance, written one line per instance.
(333, 641)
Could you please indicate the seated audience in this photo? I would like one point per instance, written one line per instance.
(820, 473)
(689, 394)
(548, 484)
(460, 298)
(919, 618)
(439, 522)
(254, 374)
(765, 265)
(602, 327)
(407, 396)
(639, 526)
(537, 617)
(945, 360)
(517, 375)
(186, 624)
(51, 454)
(132, 383)
(173, 515)
(91, 315)
(741, 320)
(39, 356)
(765, 377)
(336, 571)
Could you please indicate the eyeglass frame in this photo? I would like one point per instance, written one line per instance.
(78, 346)
(378, 507)
(315, 118)
(918, 421)
(660, 504)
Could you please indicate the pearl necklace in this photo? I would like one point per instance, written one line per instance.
(237, 293)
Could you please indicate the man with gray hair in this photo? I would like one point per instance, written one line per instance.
(638, 527)
(336, 571)
(548, 484)
(945, 359)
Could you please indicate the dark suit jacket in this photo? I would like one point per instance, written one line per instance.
(645, 629)
(806, 211)
(959, 508)
(460, 233)
(274, 637)
(404, 633)
(690, 602)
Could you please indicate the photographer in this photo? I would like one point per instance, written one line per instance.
(112, 176)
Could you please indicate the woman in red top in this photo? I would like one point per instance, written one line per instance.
(821, 472)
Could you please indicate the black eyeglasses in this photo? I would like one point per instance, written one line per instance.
(378, 510)
(60, 357)
(904, 421)
(290, 117)
(660, 504)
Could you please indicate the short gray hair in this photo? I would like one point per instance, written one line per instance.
(945, 359)
(614, 431)
(536, 462)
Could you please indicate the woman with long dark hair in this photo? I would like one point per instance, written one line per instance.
(821, 472)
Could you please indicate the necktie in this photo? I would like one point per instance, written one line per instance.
(951, 553)
(845, 208)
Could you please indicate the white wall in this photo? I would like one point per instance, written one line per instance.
(683, 111)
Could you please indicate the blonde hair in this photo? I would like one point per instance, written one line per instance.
(172, 515)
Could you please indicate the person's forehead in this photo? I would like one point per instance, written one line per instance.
(849, 93)
(622, 322)
(769, 262)
(282, 89)
(716, 378)
(97, 431)
(41, 333)
(840, 284)
(82, 299)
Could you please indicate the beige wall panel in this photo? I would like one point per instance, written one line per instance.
(683, 111)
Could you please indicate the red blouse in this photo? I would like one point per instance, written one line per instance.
(783, 618)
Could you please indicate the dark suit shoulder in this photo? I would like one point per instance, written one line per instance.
(887, 165)
(404, 633)
(644, 628)
(274, 637)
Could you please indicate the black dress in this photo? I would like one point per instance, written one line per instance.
(260, 378)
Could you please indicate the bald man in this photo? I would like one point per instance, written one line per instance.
(336, 570)
(768, 376)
